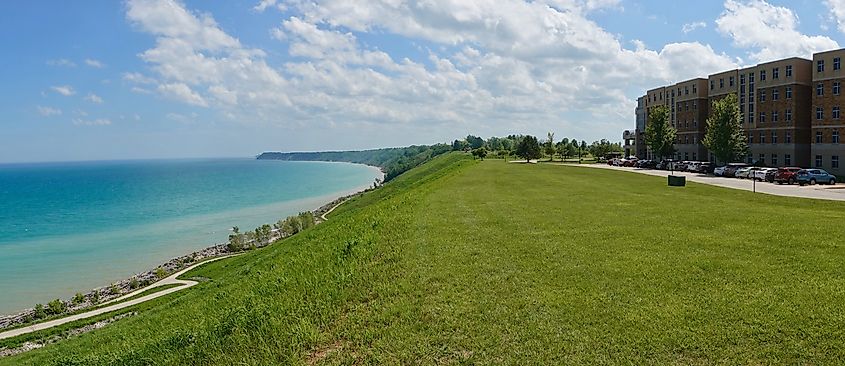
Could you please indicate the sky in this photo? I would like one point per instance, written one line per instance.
(139, 79)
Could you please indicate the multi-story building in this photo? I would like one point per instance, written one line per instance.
(690, 110)
(634, 141)
(828, 100)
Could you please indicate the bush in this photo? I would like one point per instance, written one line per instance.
(56, 307)
(160, 273)
(40, 312)
(133, 283)
(78, 299)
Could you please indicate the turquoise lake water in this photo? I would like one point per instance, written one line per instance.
(71, 227)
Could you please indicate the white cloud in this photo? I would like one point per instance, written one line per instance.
(94, 63)
(837, 12)
(65, 90)
(183, 93)
(689, 27)
(48, 111)
(770, 31)
(94, 122)
(511, 66)
(61, 62)
(94, 98)
(265, 4)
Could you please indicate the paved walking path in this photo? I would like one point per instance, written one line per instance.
(822, 192)
(169, 280)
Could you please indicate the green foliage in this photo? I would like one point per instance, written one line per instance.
(40, 312)
(601, 148)
(459, 145)
(549, 145)
(133, 283)
(56, 307)
(659, 134)
(475, 142)
(160, 273)
(480, 153)
(725, 137)
(528, 148)
(78, 299)
(95, 297)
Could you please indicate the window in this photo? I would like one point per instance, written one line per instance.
(774, 116)
(686, 139)
(763, 159)
(751, 108)
(820, 89)
(788, 92)
(834, 160)
(837, 63)
(775, 94)
(787, 159)
(751, 78)
(836, 88)
(686, 156)
(820, 66)
(731, 81)
(835, 136)
(819, 113)
(762, 95)
(787, 115)
(694, 89)
(788, 137)
(818, 137)
(686, 91)
(721, 83)
(694, 104)
(818, 161)
(742, 79)
(774, 137)
(762, 138)
(835, 113)
(750, 139)
(694, 123)
(742, 90)
(694, 156)
(686, 106)
(762, 75)
(775, 73)
(762, 117)
(712, 84)
(774, 159)
(751, 116)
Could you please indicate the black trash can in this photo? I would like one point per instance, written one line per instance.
(677, 181)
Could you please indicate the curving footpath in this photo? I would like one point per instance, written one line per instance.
(169, 280)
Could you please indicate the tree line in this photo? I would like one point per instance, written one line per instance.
(530, 147)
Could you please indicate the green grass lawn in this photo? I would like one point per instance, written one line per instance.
(461, 261)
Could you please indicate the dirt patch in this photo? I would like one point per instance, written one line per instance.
(321, 353)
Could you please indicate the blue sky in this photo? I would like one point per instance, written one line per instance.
(168, 79)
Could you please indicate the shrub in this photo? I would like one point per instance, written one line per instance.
(78, 299)
(160, 273)
(56, 306)
(133, 283)
(40, 312)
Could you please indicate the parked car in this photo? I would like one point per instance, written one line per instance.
(770, 175)
(730, 170)
(760, 174)
(719, 171)
(813, 176)
(692, 166)
(705, 168)
(787, 175)
(743, 173)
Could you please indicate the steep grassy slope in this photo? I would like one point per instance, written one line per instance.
(491, 263)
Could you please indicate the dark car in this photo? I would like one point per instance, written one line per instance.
(730, 170)
(770, 175)
(787, 175)
(813, 176)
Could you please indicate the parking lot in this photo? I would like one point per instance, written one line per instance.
(833, 193)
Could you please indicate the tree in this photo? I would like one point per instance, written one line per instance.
(458, 145)
(475, 142)
(583, 149)
(528, 148)
(724, 136)
(549, 145)
(480, 152)
(236, 240)
(659, 134)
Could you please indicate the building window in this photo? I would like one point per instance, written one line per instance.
(836, 63)
(818, 161)
(788, 137)
(712, 84)
(751, 108)
(835, 136)
(694, 123)
(731, 81)
(762, 75)
(836, 88)
(774, 137)
(742, 79)
(694, 156)
(750, 139)
(750, 159)
(788, 92)
(721, 83)
(751, 115)
(775, 94)
(834, 161)
(762, 95)
(775, 73)
(774, 159)
(694, 105)
(835, 112)
(787, 115)
(751, 78)
(788, 70)
(762, 159)
(818, 137)
(686, 91)
(820, 89)
(787, 159)
(819, 113)
(820, 66)
(686, 139)
(762, 117)
(686, 156)
(694, 89)
(762, 138)
(774, 116)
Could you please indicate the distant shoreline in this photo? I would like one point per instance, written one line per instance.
(104, 294)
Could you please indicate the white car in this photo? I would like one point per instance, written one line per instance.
(746, 172)
(760, 175)
(720, 171)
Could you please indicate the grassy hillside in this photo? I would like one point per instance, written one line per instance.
(466, 262)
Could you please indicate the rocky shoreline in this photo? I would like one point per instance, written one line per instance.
(102, 295)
